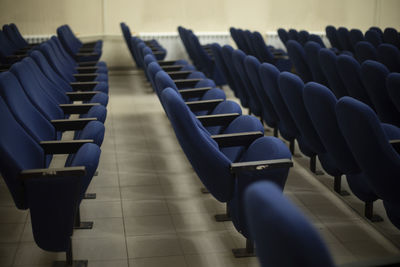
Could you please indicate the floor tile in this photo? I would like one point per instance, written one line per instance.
(171, 261)
(147, 225)
(153, 246)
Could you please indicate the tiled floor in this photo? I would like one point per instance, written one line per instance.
(149, 209)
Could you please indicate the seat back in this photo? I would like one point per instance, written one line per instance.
(373, 75)
(238, 58)
(311, 50)
(331, 33)
(303, 37)
(291, 89)
(350, 72)
(373, 37)
(293, 35)
(22, 42)
(18, 151)
(273, 220)
(6, 48)
(380, 162)
(355, 36)
(283, 35)
(328, 63)
(222, 66)
(317, 39)
(389, 55)
(391, 36)
(344, 38)
(298, 57)
(268, 112)
(263, 53)
(393, 87)
(365, 51)
(269, 76)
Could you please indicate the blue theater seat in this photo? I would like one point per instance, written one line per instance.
(389, 55)
(311, 50)
(365, 51)
(331, 33)
(283, 236)
(298, 57)
(371, 147)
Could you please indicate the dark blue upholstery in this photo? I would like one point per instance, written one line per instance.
(293, 35)
(52, 201)
(317, 39)
(377, 29)
(355, 36)
(320, 104)
(298, 57)
(365, 51)
(393, 87)
(391, 36)
(268, 112)
(238, 58)
(344, 38)
(223, 67)
(283, 235)
(227, 55)
(372, 151)
(374, 37)
(283, 35)
(389, 55)
(311, 50)
(350, 72)
(373, 75)
(303, 37)
(17, 37)
(328, 63)
(212, 166)
(331, 33)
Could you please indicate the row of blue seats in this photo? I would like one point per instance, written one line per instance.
(41, 96)
(346, 77)
(252, 43)
(227, 150)
(319, 121)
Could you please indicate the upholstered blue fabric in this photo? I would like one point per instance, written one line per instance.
(238, 58)
(331, 33)
(372, 151)
(320, 104)
(223, 67)
(328, 63)
(373, 75)
(298, 57)
(317, 39)
(52, 75)
(6, 49)
(344, 38)
(293, 35)
(268, 112)
(355, 36)
(365, 51)
(393, 87)
(303, 37)
(283, 235)
(227, 55)
(378, 30)
(264, 54)
(374, 37)
(350, 72)
(283, 35)
(311, 50)
(16, 35)
(391, 36)
(269, 75)
(389, 55)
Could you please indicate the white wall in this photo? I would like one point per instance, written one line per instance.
(89, 17)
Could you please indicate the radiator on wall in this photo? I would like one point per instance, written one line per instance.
(34, 39)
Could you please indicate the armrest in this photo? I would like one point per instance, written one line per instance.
(88, 63)
(181, 83)
(71, 124)
(64, 146)
(77, 108)
(260, 165)
(85, 77)
(86, 69)
(166, 62)
(203, 104)
(395, 144)
(83, 86)
(81, 96)
(86, 50)
(218, 119)
(86, 54)
(40, 173)
(236, 139)
(193, 92)
(172, 67)
(179, 74)
(155, 52)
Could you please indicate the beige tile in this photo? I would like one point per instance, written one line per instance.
(170, 261)
(150, 192)
(137, 178)
(215, 259)
(29, 253)
(100, 209)
(7, 254)
(206, 242)
(147, 225)
(102, 228)
(12, 215)
(11, 232)
(153, 246)
(192, 205)
(144, 207)
(189, 222)
(100, 249)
